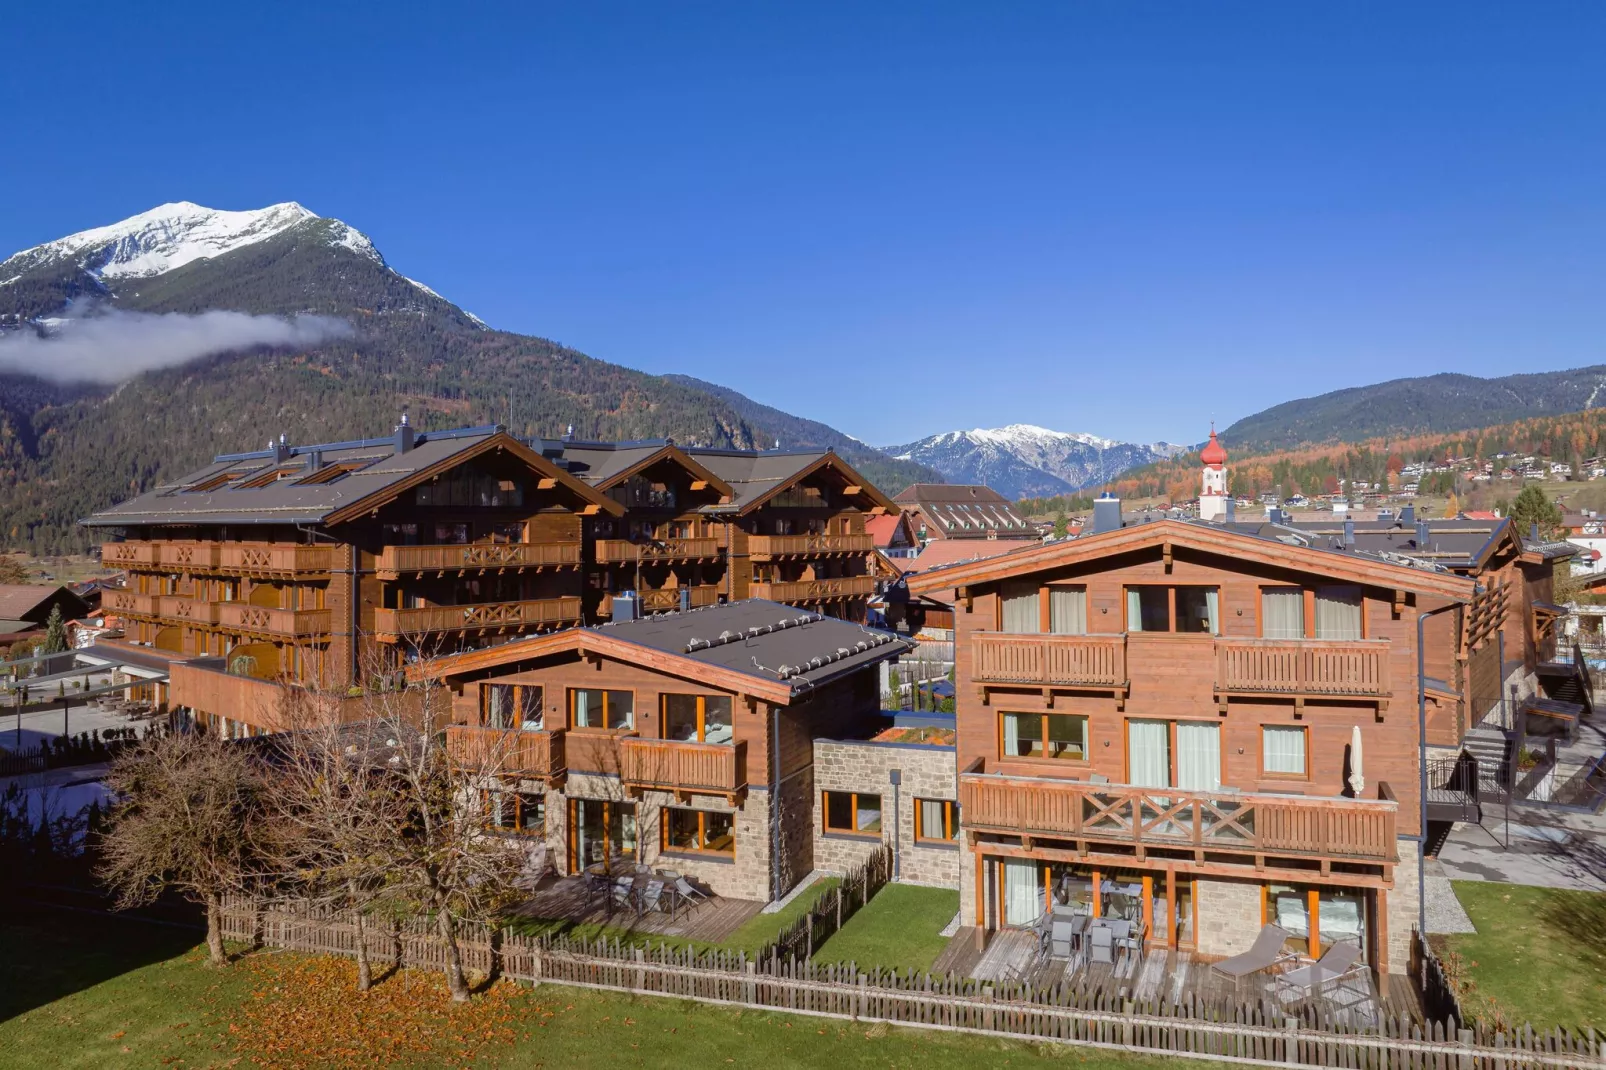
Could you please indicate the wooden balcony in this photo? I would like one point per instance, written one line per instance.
(276, 559)
(392, 624)
(625, 551)
(510, 753)
(186, 556)
(1097, 661)
(133, 554)
(204, 685)
(660, 600)
(773, 547)
(130, 602)
(1304, 668)
(1137, 819)
(815, 590)
(683, 768)
(188, 610)
(266, 620)
(395, 561)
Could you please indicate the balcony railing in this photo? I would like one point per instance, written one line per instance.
(510, 752)
(395, 560)
(188, 556)
(276, 558)
(189, 610)
(624, 551)
(815, 590)
(1354, 830)
(267, 620)
(130, 602)
(1303, 667)
(205, 686)
(668, 765)
(126, 554)
(666, 598)
(1070, 660)
(763, 547)
(394, 623)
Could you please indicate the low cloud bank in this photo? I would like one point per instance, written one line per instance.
(110, 345)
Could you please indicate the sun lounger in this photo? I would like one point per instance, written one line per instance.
(1342, 960)
(1266, 952)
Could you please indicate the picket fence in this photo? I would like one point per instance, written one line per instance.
(1058, 1014)
(803, 937)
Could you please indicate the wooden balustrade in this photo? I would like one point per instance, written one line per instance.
(394, 561)
(1069, 660)
(391, 624)
(130, 602)
(185, 556)
(1314, 668)
(815, 590)
(189, 610)
(1355, 830)
(275, 558)
(660, 599)
(761, 547)
(128, 554)
(269, 620)
(513, 752)
(204, 685)
(625, 551)
(670, 765)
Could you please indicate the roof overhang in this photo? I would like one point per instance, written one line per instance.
(678, 456)
(870, 498)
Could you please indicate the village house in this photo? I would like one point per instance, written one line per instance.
(959, 511)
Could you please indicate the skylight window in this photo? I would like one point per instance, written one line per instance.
(330, 472)
(271, 476)
(211, 483)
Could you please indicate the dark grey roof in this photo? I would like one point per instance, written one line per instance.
(765, 640)
(289, 500)
(750, 473)
(1451, 542)
(1552, 551)
(598, 462)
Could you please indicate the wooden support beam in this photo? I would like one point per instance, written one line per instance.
(546, 483)
(853, 490)
(1399, 603)
(699, 484)
(1165, 554)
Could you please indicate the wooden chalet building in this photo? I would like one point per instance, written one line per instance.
(682, 739)
(962, 511)
(1161, 718)
(708, 525)
(331, 565)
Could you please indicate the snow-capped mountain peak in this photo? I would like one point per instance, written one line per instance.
(1025, 460)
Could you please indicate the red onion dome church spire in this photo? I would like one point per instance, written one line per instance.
(1213, 488)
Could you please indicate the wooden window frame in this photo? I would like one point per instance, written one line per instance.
(1309, 592)
(1171, 607)
(702, 714)
(853, 806)
(606, 691)
(1171, 724)
(609, 808)
(518, 704)
(1291, 778)
(950, 821)
(269, 477)
(518, 813)
(665, 848)
(1313, 911)
(1057, 763)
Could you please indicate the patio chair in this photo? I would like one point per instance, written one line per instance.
(1062, 940)
(652, 896)
(1342, 960)
(689, 894)
(1101, 944)
(1266, 952)
(623, 892)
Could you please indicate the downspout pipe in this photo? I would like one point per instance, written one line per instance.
(776, 891)
(1422, 765)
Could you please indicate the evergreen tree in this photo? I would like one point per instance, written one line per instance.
(55, 633)
(1062, 526)
(1533, 508)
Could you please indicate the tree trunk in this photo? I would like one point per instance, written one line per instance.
(365, 973)
(214, 931)
(454, 957)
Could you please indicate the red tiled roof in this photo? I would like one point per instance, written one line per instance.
(949, 551)
(881, 528)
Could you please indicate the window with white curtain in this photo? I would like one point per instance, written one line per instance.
(1197, 610)
(1022, 612)
(1067, 610)
(1283, 750)
(1198, 756)
(1148, 753)
(1338, 612)
(1023, 891)
(1148, 609)
(1282, 613)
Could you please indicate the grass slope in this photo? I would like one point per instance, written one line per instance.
(81, 991)
(1539, 955)
(898, 928)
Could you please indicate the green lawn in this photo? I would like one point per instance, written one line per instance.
(755, 934)
(81, 991)
(898, 928)
(1539, 954)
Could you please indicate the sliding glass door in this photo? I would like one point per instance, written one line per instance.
(1174, 754)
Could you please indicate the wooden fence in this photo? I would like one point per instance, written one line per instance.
(805, 936)
(1057, 1014)
(1439, 1000)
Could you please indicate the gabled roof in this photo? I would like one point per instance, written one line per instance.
(220, 492)
(774, 652)
(26, 601)
(1455, 542)
(965, 510)
(607, 464)
(883, 528)
(1208, 538)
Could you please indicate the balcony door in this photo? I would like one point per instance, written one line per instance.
(601, 832)
(1174, 754)
(1023, 605)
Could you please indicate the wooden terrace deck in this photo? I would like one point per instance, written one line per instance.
(1174, 977)
(566, 899)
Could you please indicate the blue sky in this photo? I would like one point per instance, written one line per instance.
(1124, 218)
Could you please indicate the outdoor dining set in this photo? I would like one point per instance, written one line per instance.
(642, 889)
(1065, 932)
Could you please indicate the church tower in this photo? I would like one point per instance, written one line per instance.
(1213, 489)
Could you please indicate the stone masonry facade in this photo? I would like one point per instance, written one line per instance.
(927, 772)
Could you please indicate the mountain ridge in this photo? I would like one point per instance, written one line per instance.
(1025, 460)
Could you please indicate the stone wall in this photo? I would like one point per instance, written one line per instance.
(927, 772)
(1402, 908)
(1229, 916)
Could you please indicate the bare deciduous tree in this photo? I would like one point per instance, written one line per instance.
(192, 816)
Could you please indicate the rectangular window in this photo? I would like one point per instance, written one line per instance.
(1067, 610)
(1282, 613)
(509, 706)
(595, 708)
(1148, 753)
(698, 718)
(852, 812)
(1338, 612)
(936, 820)
(601, 831)
(497, 709)
(1022, 614)
(1196, 610)
(1044, 735)
(702, 831)
(516, 811)
(1283, 750)
(1148, 609)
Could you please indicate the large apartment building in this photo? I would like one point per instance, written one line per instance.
(336, 564)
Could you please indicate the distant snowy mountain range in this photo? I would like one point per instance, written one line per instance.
(1023, 460)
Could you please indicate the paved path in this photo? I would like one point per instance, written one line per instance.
(1548, 849)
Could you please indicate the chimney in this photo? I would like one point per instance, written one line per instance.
(1408, 515)
(685, 599)
(1421, 534)
(1533, 531)
(1106, 514)
(314, 460)
(404, 434)
(625, 607)
(281, 449)
(1274, 515)
(1232, 511)
(1349, 532)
